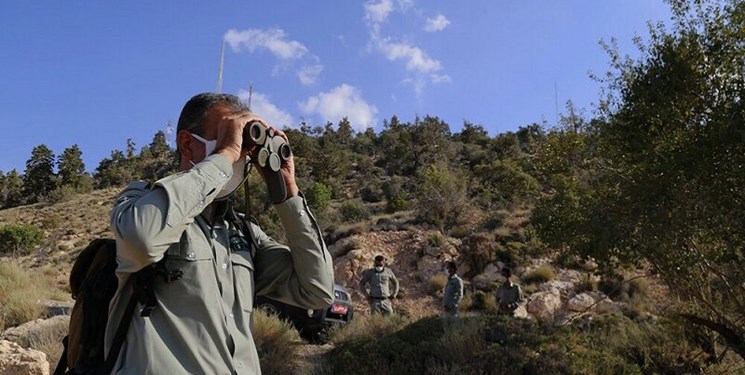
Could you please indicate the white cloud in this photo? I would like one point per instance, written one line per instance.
(342, 101)
(416, 59)
(440, 78)
(309, 73)
(438, 23)
(272, 40)
(418, 84)
(264, 108)
(290, 53)
(377, 12)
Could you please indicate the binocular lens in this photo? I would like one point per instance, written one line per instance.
(284, 151)
(257, 133)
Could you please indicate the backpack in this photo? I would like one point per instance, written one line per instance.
(93, 283)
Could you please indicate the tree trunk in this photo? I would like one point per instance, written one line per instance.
(734, 338)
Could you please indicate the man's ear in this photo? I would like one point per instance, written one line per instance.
(183, 141)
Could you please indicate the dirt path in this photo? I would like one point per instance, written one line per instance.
(312, 360)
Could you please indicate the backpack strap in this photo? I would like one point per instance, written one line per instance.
(244, 225)
(120, 336)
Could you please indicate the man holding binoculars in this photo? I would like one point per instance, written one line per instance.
(201, 321)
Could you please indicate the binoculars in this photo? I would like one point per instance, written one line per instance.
(269, 152)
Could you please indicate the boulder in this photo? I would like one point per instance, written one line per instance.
(427, 266)
(490, 274)
(15, 360)
(543, 305)
(28, 328)
(580, 302)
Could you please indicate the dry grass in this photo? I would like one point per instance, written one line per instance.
(437, 283)
(540, 275)
(20, 293)
(367, 327)
(47, 339)
(277, 343)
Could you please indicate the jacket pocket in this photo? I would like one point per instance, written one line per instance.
(243, 270)
(197, 285)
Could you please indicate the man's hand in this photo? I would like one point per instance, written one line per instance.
(230, 135)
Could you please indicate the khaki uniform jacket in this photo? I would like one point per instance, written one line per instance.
(202, 322)
(379, 283)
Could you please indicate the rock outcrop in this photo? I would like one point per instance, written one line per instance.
(15, 360)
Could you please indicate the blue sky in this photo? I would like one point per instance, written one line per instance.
(98, 73)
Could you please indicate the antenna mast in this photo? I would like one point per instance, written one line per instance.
(250, 93)
(219, 72)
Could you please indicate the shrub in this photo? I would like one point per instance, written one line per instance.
(318, 196)
(371, 193)
(353, 210)
(485, 302)
(395, 204)
(436, 283)
(436, 239)
(366, 328)
(619, 289)
(276, 342)
(20, 239)
(540, 275)
(479, 345)
(478, 250)
(62, 194)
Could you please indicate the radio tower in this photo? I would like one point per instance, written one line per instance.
(219, 71)
(250, 93)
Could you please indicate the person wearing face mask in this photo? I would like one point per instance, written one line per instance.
(201, 322)
(380, 279)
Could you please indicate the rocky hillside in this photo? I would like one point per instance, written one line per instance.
(417, 256)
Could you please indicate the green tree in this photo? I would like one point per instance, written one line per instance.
(441, 197)
(11, 189)
(71, 170)
(665, 183)
(113, 171)
(39, 178)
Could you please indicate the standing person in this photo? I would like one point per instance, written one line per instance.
(453, 290)
(509, 294)
(201, 322)
(379, 277)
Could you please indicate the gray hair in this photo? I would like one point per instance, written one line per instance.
(195, 110)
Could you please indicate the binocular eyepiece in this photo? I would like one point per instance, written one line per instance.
(270, 149)
(269, 152)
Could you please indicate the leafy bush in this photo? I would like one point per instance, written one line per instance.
(318, 196)
(20, 239)
(485, 301)
(395, 204)
(367, 328)
(620, 289)
(276, 342)
(540, 275)
(353, 210)
(478, 250)
(479, 345)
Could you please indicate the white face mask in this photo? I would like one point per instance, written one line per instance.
(379, 269)
(239, 168)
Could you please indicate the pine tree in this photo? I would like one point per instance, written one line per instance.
(39, 178)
